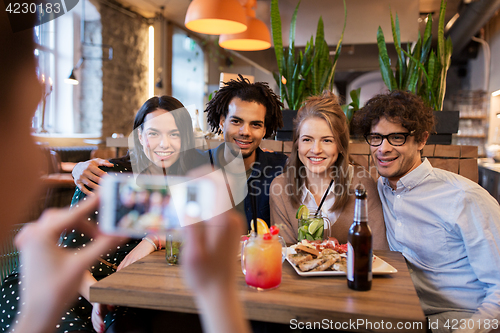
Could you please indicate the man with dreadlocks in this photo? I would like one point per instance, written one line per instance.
(245, 113)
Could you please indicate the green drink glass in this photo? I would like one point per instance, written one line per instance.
(314, 227)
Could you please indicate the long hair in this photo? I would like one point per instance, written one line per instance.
(324, 107)
(184, 124)
(258, 92)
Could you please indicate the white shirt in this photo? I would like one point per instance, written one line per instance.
(448, 229)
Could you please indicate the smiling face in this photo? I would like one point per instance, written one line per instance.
(394, 162)
(160, 138)
(317, 149)
(244, 125)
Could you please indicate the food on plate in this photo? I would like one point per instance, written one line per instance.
(313, 256)
(307, 249)
(297, 258)
(309, 265)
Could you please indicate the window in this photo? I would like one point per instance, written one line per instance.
(188, 75)
(58, 52)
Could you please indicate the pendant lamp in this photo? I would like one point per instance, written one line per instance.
(214, 17)
(255, 38)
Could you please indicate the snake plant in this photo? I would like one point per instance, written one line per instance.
(306, 73)
(418, 69)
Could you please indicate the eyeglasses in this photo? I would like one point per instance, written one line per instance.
(395, 139)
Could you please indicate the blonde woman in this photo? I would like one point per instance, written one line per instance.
(319, 165)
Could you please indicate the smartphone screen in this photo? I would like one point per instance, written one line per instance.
(152, 204)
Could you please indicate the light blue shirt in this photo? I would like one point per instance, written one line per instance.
(448, 229)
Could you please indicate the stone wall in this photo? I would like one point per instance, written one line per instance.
(89, 119)
(125, 78)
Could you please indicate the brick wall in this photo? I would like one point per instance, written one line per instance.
(125, 84)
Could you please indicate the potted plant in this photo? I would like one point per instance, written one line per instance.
(305, 73)
(423, 71)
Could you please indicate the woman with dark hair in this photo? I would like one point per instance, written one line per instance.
(319, 166)
(180, 155)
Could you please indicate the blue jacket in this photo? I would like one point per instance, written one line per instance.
(266, 167)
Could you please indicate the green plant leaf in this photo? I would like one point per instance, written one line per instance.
(277, 36)
(441, 46)
(433, 98)
(385, 62)
(412, 76)
(291, 42)
(428, 29)
(400, 65)
(355, 95)
(425, 49)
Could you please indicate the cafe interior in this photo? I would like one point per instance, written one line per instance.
(102, 59)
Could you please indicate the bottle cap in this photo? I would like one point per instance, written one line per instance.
(360, 192)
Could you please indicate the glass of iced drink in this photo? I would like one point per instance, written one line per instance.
(262, 259)
(313, 227)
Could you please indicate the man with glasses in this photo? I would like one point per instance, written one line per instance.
(446, 226)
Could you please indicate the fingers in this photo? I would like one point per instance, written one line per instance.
(94, 172)
(102, 162)
(88, 173)
(82, 188)
(98, 317)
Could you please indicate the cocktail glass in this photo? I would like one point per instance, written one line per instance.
(314, 227)
(261, 261)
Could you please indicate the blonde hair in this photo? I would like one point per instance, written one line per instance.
(324, 107)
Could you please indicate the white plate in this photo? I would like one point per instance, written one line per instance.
(379, 267)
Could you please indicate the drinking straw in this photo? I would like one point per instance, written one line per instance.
(253, 203)
(324, 197)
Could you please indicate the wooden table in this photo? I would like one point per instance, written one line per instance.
(151, 283)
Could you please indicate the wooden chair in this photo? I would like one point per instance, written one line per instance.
(273, 145)
(59, 185)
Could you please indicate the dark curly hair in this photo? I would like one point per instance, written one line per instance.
(258, 92)
(401, 106)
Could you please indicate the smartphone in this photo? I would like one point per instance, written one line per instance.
(134, 207)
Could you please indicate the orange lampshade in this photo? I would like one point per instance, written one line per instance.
(214, 17)
(256, 37)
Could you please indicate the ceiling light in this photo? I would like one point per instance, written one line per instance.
(256, 37)
(215, 17)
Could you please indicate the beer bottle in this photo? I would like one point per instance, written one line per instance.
(359, 246)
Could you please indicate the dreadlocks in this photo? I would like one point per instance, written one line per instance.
(258, 92)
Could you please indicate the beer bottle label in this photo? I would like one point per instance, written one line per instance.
(350, 262)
